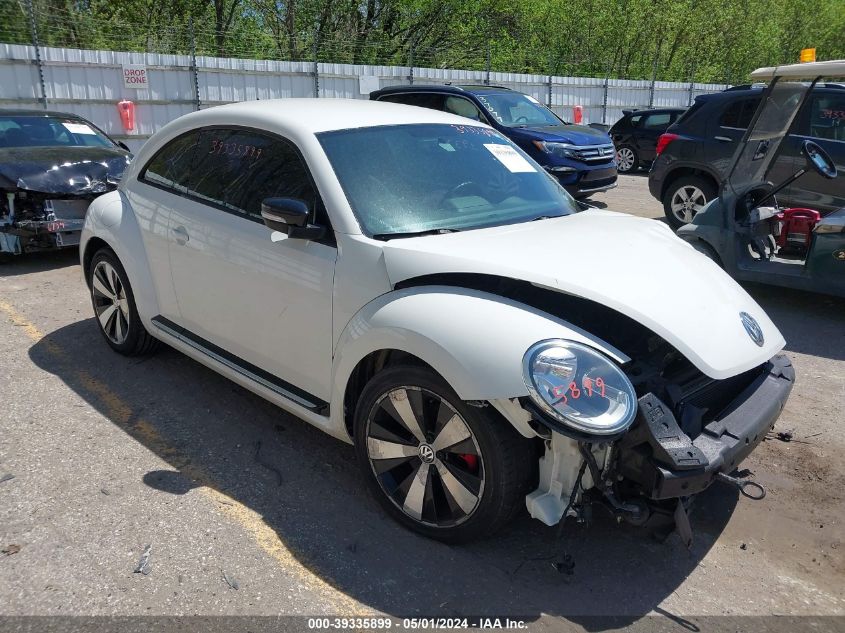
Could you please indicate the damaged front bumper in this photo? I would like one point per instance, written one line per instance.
(666, 463)
(656, 460)
(48, 224)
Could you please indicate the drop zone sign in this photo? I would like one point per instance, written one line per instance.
(134, 76)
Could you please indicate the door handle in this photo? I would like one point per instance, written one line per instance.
(724, 139)
(181, 235)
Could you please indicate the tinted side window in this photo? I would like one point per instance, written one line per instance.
(739, 114)
(237, 169)
(827, 116)
(655, 121)
(636, 120)
(429, 100)
(171, 166)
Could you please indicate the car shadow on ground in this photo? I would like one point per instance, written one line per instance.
(308, 489)
(812, 324)
(38, 262)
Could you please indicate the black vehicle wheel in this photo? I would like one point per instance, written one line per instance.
(685, 197)
(626, 159)
(439, 466)
(114, 306)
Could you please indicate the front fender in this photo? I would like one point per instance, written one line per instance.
(110, 218)
(475, 340)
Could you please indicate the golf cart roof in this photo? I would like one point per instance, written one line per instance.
(808, 71)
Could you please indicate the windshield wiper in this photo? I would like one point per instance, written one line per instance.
(390, 236)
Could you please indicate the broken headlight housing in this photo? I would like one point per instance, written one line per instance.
(579, 387)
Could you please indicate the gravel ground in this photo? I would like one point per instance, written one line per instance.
(249, 511)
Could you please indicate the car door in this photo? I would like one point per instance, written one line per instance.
(822, 121)
(161, 187)
(252, 295)
(649, 130)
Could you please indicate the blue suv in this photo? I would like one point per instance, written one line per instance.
(581, 158)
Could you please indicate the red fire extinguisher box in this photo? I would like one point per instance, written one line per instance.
(126, 109)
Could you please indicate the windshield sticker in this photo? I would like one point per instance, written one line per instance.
(78, 128)
(447, 146)
(510, 158)
(833, 114)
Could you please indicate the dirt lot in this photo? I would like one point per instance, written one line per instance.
(110, 455)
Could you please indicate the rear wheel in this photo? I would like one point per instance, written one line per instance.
(439, 466)
(685, 197)
(114, 306)
(626, 159)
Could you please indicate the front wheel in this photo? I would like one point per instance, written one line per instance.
(685, 197)
(626, 159)
(446, 469)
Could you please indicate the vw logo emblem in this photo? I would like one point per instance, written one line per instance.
(426, 453)
(752, 328)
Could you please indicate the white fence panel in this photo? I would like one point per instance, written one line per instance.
(90, 83)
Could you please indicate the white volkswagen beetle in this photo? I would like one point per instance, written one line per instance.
(414, 284)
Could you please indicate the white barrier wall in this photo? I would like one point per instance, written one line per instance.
(90, 83)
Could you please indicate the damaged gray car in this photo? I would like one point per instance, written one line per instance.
(52, 165)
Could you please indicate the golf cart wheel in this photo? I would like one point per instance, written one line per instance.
(114, 306)
(626, 159)
(685, 197)
(439, 466)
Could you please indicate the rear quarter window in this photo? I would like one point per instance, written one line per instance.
(171, 166)
(688, 114)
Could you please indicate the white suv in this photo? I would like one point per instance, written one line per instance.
(411, 282)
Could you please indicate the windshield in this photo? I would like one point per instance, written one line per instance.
(775, 115)
(513, 109)
(408, 179)
(44, 131)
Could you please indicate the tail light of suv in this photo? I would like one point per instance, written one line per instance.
(663, 140)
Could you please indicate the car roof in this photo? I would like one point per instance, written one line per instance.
(443, 88)
(316, 115)
(37, 113)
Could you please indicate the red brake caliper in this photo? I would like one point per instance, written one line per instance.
(470, 460)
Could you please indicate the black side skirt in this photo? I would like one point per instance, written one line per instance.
(247, 370)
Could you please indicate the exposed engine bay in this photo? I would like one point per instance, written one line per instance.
(690, 430)
(31, 221)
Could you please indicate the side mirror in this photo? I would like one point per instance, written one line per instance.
(290, 215)
(819, 159)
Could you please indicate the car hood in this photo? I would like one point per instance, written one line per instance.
(62, 170)
(633, 265)
(574, 134)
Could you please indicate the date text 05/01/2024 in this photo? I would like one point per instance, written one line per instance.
(415, 623)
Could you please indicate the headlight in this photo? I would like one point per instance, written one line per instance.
(580, 387)
(564, 150)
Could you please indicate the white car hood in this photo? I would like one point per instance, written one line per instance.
(636, 266)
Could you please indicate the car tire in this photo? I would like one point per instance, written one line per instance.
(445, 490)
(627, 160)
(684, 197)
(114, 306)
